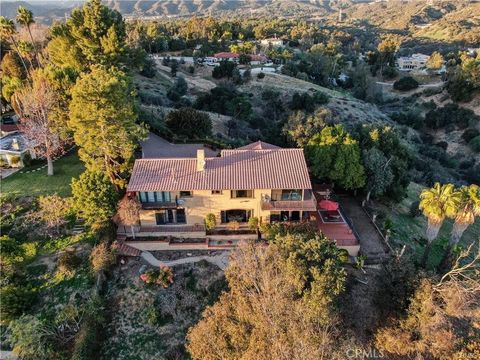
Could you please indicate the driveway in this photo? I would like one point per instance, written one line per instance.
(371, 244)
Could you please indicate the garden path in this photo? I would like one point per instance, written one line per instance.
(220, 260)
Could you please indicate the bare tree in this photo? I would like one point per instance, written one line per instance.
(35, 104)
(129, 212)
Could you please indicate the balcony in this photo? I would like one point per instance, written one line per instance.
(159, 205)
(307, 204)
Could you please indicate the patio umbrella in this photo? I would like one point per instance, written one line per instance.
(328, 205)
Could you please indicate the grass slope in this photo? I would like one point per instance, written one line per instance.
(39, 183)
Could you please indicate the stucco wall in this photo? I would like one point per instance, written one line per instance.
(204, 202)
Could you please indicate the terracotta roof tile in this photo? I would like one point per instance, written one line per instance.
(234, 170)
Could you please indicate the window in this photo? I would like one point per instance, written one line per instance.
(185, 193)
(157, 196)
(238, 215)
(181, 218)
(242, 194)
(164, 217)
(216, 192)
(292, 195)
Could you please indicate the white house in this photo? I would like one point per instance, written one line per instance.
(414, 62)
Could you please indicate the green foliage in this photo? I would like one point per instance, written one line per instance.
(94, 34)
(16, 300)
(301, 127)
(253, 223)
(210, 221)
(225, 69)
(390, 72)
(29, 338)
(451, 114)
(94, 197)
(68, 262)
(379, 173)
(405, 84)
(469, 134)
(102, 117)
(335, 155)
(306, 102)
(189, 123)
(162, 277)
(12, 66)
(260, 75)
(475, 144)
(435, 62)
(226, 101)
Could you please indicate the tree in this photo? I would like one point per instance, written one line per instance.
(94, 34)
(435, 61)
(53, 211)
(173, 67)
(224, 69)
(406, 83)
(36, 103)
(12, 67)
(129, 212)
(440, 320)
(280, 303)
(25, 18)
(335, 155)
(94, 197)
(378, 172)
(7, 30)
(437, 203)
(29, 339)
(102, 118)
(101, 257)
(301, 127)
(387, 48)
(468, 209)
(189, 123)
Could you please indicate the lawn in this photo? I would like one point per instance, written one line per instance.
(39, 183)
(410, 230)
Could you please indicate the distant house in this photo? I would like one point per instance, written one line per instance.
(226, 56)
(259, 180)
(12, 149)
(275, 42)
(414, 62)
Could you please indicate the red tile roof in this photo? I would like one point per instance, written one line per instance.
(258, 145)
(238, 169)
(226, 55)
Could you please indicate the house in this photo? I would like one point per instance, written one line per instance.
(259, 180)
(226, 56)
(13, 149)
(274, 42)
(414, 62)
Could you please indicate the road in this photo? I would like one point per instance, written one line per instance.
(441, 83)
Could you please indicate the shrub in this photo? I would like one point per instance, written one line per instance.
(260, 75)
(163, 276)
(225, 69)
(3, 162)
(475, 144)
(442, 144)
(68, 262)
(344, 256)
(101, 257)
(210, 221)
(469, 134)
(406, 83)
(253, 223)
(189, 123)
(15, 301)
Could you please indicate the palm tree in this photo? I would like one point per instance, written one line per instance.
(7, 30)
(468, 209)
(437, 203)
(25, 18)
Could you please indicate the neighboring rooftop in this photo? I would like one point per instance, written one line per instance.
(13, 143)
(256, 166)
(157, 148)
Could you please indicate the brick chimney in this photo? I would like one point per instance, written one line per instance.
(200, 159)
